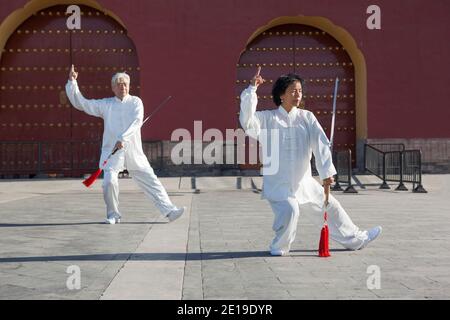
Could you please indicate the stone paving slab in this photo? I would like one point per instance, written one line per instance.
(152, 266)
(219, 249)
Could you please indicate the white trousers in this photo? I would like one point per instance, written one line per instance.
(146, 180)
(340, 226)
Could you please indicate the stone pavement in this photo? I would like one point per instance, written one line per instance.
(218, 249)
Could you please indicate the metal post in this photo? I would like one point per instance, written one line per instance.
(194, 185)
(337, 186)
(350, 188)
(420, 188)
(384, 185)
(72, 169)
(239, 183)
(39, 158)
(401, 186)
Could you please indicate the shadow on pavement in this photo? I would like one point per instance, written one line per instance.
(159, 256)
(12, 225)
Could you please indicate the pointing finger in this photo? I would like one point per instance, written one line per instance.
(259, 70)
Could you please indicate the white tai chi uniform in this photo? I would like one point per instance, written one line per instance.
(122, 122)
(292, 189)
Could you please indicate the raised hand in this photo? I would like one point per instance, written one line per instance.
(73, 74)
(257, 79)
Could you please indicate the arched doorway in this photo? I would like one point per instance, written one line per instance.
(317, 57)
(40, 131)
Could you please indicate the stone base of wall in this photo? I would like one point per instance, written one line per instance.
(435, 152)
(435, 159)
(159, 155)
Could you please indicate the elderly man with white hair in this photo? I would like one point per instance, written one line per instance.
(122, 116)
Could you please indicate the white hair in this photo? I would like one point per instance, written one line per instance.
(120, 75)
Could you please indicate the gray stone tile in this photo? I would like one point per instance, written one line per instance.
(45, 230)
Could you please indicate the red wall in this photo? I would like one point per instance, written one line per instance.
(189, 49)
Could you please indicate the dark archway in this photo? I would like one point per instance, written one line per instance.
(40, 131)
(317, 57)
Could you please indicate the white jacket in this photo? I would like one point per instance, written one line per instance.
(300, 135)
(122, 122)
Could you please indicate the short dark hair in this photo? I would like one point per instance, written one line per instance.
(280, 86)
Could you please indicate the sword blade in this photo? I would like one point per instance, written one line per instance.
(334, 112)
(157, 108)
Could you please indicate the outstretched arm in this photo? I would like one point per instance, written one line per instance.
(248, 117)
(90, 106)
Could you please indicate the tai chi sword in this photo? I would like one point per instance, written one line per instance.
(336, 83)
(333, 119)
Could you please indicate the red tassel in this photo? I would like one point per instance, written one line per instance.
(323, 243)
(89, 181)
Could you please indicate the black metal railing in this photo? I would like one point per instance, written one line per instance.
(342, 161)
(76, 158)
(412, 169)
(154, 150)
(70, 158)
(391, 162)
(19, 157)
(388, 147)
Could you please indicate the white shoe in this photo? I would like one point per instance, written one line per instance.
(278, 252)
(175, 214)
(112, 219)
(372, 235)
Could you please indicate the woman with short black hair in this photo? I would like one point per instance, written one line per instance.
(294, 135)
